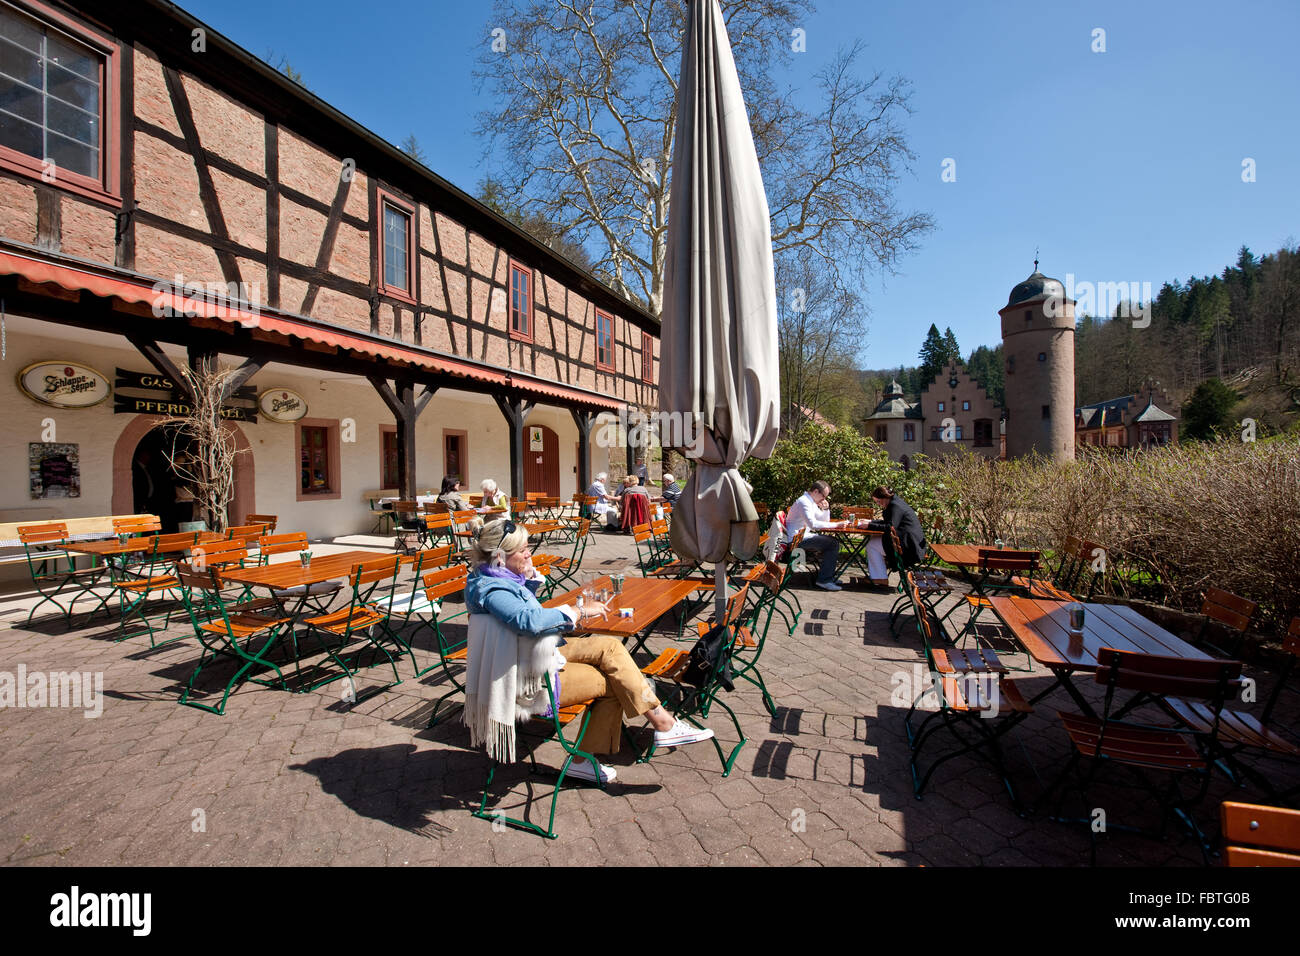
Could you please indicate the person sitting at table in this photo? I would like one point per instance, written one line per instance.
(671, 490)
(450, 494)
(493, 497)
(811, 512)
(633, 506)
(513, 641)
(897, 514)
(603, 505)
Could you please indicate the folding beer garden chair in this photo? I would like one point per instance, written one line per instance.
(930, 584)
(564, 571)
(1241, 732)
(752, 629)
(1274, 831)
(358, 620)
(233, 632)
(551, 726)
(1105, 742)
(693, 703)
(1226, 608)
(440, 585)
(1016, 564)
(55, 573)
(972, 699)
(403, 606)
(156, 577)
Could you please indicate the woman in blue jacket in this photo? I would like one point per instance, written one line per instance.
(514, 641)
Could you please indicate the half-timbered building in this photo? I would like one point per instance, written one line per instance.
(167, 198)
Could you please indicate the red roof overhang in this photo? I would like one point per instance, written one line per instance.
(211, 309)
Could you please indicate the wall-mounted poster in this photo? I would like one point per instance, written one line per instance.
(534, 439)
(55, 470)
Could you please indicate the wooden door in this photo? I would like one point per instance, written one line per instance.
(541, 468)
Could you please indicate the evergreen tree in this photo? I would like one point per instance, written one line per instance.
(1208, 413)
(933, 356)
(951, 347)
(986, 366)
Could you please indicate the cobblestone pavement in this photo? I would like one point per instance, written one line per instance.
(285, 778)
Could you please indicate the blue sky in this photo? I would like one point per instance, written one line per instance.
(1123, 165)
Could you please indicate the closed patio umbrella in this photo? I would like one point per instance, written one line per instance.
(719, 344)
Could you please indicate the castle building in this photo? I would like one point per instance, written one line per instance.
(1038, 349)
(954, 412)
(1130, 421)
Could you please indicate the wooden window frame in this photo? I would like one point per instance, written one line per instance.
(909, 432)
(106, 188)
(647, 358)
(529, 317)
(464, 454)
(385, 430)
(385, 198)
(331, 426)
(605, 366)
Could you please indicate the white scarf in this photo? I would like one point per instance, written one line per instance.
(503, 682)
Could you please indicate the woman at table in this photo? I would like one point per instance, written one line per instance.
(513, 641)
(450, 494)
(897, 514)
(493, 497)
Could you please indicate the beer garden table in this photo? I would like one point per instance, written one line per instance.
(649, 599)
(1042, 628)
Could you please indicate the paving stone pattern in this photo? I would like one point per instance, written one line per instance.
(307, 779)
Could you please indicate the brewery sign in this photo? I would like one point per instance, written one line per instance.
(64, 384)
(282, 405)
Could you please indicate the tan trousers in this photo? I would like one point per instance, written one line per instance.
(601, 668)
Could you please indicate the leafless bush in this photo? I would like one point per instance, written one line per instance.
(1174, 520)
(202, 451)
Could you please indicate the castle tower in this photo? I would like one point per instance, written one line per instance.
(1038, 345)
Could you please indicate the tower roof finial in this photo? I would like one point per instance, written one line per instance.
(1035, 258)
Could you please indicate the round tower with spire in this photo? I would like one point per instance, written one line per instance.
(1038, 349)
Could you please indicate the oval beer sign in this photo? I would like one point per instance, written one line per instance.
(64, 384)
(282, 404)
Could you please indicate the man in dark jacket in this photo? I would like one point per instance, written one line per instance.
(897, 514)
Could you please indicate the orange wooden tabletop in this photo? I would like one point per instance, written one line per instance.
(110, 547)
(1042, 627)
(961, 554)
(649, 599)
(291, 573)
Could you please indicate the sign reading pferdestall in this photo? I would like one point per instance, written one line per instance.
(64, 384)
(282, 405)
(176, 407)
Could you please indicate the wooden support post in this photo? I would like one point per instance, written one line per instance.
(515, 411)
(406, 408)
(159, 360)
(585, 421)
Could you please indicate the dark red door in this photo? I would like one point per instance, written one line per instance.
(541, 467)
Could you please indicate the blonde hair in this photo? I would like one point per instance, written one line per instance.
(492, 545)
(629, 480)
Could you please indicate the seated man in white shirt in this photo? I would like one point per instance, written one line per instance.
(811, 512)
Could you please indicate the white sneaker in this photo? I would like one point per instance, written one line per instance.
(681, 733)
(582, 770)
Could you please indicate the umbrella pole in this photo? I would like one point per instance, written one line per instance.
(720, 591)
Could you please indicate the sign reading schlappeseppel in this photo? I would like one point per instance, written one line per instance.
(64, 384)
(282, 404)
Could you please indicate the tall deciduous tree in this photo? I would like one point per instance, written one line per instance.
(582, 128)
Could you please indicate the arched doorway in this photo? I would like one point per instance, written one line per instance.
(541, 465)
(141, 436)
